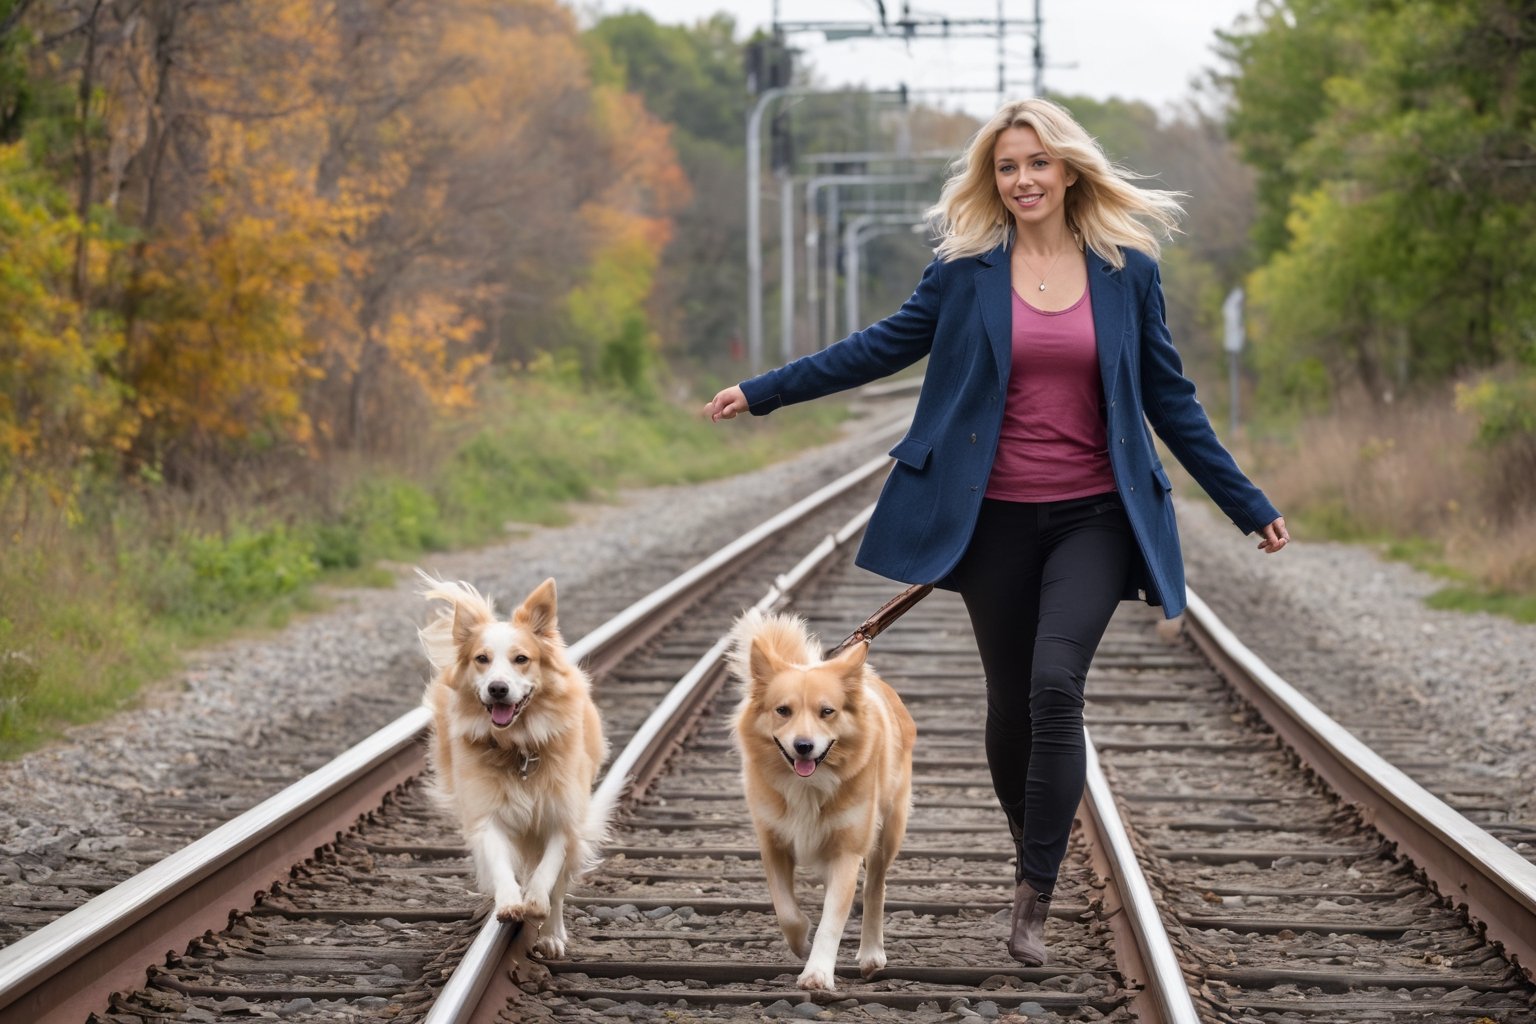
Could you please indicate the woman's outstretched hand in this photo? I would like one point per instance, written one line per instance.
(1274, 536)
(726, 404)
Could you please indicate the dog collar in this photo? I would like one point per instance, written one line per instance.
(527, 760)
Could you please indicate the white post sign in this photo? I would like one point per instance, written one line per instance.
(1232, 341)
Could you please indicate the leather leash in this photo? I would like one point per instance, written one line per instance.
(886, 614)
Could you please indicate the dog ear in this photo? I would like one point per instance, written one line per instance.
(537, 613)
(849, 665)
(763, 663)
(466, 619)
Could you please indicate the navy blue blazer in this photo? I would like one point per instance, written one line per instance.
(961, 316)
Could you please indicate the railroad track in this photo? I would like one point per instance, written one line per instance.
(66, 969)
(1281, 903)
(681, 903)
(1284, 901)
(1278, 900)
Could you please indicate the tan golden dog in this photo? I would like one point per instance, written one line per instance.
(516, 746)
(826, 751)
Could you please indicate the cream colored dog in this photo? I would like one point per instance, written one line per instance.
(826, 751)
(516, 746)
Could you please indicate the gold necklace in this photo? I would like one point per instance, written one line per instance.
(1048, 270)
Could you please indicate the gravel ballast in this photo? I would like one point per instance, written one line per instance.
(1345, 627)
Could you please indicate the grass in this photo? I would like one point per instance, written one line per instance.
(133, 576)
(1412, 480)
(1520, 607)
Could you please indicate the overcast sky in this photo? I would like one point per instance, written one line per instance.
(1134, 49)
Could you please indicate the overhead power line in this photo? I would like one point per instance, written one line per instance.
(910, 27)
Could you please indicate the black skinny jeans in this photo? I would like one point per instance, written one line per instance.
(1040, 581)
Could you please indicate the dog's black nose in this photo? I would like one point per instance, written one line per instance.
(498, 691)
(804, 747)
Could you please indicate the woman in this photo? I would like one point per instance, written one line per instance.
(1028, 480)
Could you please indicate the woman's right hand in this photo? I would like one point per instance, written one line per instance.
(726, 404)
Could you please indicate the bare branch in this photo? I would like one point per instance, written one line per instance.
(14, 17)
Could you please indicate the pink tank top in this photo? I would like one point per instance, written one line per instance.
(1053, 445)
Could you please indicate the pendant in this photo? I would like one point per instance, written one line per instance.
(1042, 286)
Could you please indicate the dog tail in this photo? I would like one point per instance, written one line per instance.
(788, 637)
(596, 832)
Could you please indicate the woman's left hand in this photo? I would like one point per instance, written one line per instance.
(1274, 536)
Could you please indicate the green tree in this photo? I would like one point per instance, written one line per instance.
(694, 79)
(1187, 151)
(15, 85)
(1402, 155)
(690, 77)
(1277, 82)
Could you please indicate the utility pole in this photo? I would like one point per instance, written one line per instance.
(754, 212)
(1002, 57)
(813, 232)
(859, 228)
(754, 220)
(1039, 51)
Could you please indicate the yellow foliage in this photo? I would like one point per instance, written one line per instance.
(631, 219)
(224, 350)
(53, 405)
(345, 200)
(646, 177)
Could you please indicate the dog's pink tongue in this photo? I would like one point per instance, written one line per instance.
(804, 766)
(502, 714)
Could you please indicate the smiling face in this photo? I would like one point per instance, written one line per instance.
(802, 718)
(502, 667)
(806, 711)
(1031, 182)
(503, 663)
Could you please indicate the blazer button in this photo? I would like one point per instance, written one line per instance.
(1133, 488)
(1122, 440)
(973, 439)
(973, 487)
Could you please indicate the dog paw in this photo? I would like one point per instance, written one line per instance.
(797, 934)
(871, 962)
(549, 947)
(513, 912)
(530, 910)
(818, 979)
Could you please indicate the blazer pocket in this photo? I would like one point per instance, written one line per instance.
(1162, 477)
(909, 451)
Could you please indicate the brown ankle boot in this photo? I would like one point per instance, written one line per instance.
(1026, 936)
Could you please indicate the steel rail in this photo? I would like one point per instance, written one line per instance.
(479, 984)
(1466, 863)
(608, 643)
(1142, 948)
(1147, 958)
(68, 968)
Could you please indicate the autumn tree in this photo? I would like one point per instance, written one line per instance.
(693, 79)
(299, 226)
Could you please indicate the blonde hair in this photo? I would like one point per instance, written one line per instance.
(1102, 206)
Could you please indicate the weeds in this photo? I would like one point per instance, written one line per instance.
(139, 573)
(1419, 481)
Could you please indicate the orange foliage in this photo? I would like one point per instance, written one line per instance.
(333, 202)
